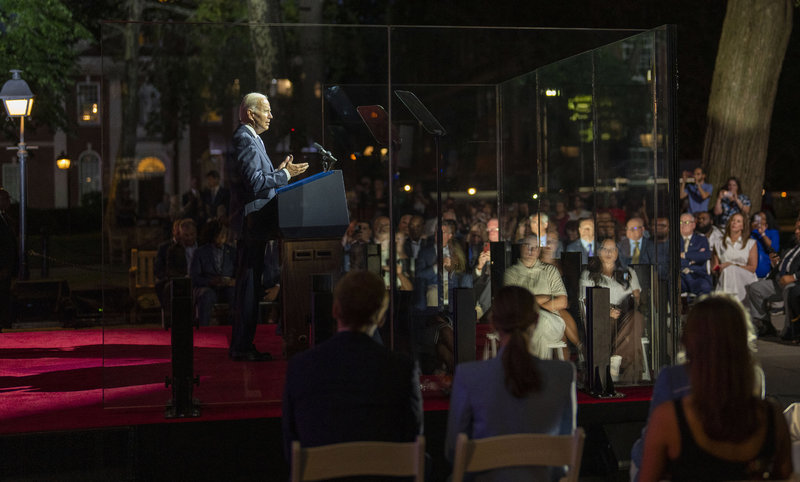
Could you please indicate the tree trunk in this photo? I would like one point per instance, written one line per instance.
(261, 40)
(751, 51)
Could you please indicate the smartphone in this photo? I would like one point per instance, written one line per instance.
(485, 247)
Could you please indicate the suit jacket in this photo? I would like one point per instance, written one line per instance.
(348, 389)
(160, 263)
(577, 247)
(253, 181)
(696, 256)
(204, 267)
(222, 198)
(793, 267)
(647, 251)
(481, 406)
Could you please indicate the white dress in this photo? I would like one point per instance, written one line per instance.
(734, 279)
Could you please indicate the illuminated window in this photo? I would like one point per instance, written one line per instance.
(88, 103)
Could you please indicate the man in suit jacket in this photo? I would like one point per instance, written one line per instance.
(695, 254)
(351, 388)
(212, 272)
(585, 244)
(252, 217)
(9, 261)
(634, 239)
(781, 282)
(174, 258)
(215, 195)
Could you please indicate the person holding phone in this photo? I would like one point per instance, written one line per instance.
(698, 192)
(767, 242)
(731, 201)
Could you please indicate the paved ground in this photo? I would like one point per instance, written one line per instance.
(781, 363)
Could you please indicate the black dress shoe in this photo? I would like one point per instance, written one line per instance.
(252, 355)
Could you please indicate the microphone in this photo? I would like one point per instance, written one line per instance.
(325, 154)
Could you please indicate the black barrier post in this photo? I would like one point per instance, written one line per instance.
(45, 254)
(183, 380)
(463, 325)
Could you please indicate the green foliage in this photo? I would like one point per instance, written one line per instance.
(41, 38)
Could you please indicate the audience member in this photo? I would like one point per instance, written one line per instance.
(781, 283)
(351, 388)
(476, 241)
(403, 262)
(698, 192)
(606, 225)
(634, 248)
(585, 244)
(606, 271)
(735, 258)
(355, 240)
(483, 271)
(545, 283)
(539, 224)
(731, 201)
(705, 226)
(767, 242)
(192, 203)
(560, 217)
(673, 384)
(212, 270)
(214, 195)
(662, 247)
(415, 243)
(695, 255)
(699, 438)
(173, 259)
(9, 261)
(578, 212)
(571, 230)
(514, 392)
(426, 284)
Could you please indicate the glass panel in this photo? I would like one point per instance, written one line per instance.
(173, 99)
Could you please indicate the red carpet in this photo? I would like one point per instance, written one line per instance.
(80, 379)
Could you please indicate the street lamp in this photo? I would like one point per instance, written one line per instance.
(63, 162)
(18, 100)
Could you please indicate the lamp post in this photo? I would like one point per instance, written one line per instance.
(18, 100)
(63, 162)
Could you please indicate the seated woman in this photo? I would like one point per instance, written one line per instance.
(515, 392)
(721, 430)
(606, 271)
(735, 258)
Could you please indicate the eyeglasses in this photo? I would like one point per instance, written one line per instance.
(635, 228)
(687, 222)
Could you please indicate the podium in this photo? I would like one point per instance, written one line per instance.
(312, 217)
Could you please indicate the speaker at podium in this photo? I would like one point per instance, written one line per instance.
(314, 207)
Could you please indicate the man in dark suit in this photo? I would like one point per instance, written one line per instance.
(351, 388)
(585, 244)
(634, 248)
(780, 283)
(173, 258)
(253, 218)
(215, 195)
(695, 254)
(9, 261)
(212, 271)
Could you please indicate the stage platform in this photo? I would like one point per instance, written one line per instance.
(91, 402)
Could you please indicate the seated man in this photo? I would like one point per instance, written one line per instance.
(544, 282)
(585, 244)
(540, 226)
(695, 253)
(634, 248)
(175, 260)
(212, 272)
(350, 388)
(780, 283)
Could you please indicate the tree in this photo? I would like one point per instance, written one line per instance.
(749, 59)
(41, 38)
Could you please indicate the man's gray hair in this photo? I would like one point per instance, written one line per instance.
(249, 102)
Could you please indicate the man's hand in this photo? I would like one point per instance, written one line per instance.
(786, 279)
(484, 258)
(271, 294)
(294, 169)
(774, 259)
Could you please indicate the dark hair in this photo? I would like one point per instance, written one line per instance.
(210, 232)
(213, 173)
(359, 294)
(595, 268)
(515, 312)
(721, 368)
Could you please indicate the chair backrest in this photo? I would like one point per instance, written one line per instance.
(142, 268)
(519, 450)
(359, 458)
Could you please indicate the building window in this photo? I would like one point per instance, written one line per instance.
(88, 103)
(88, 173)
